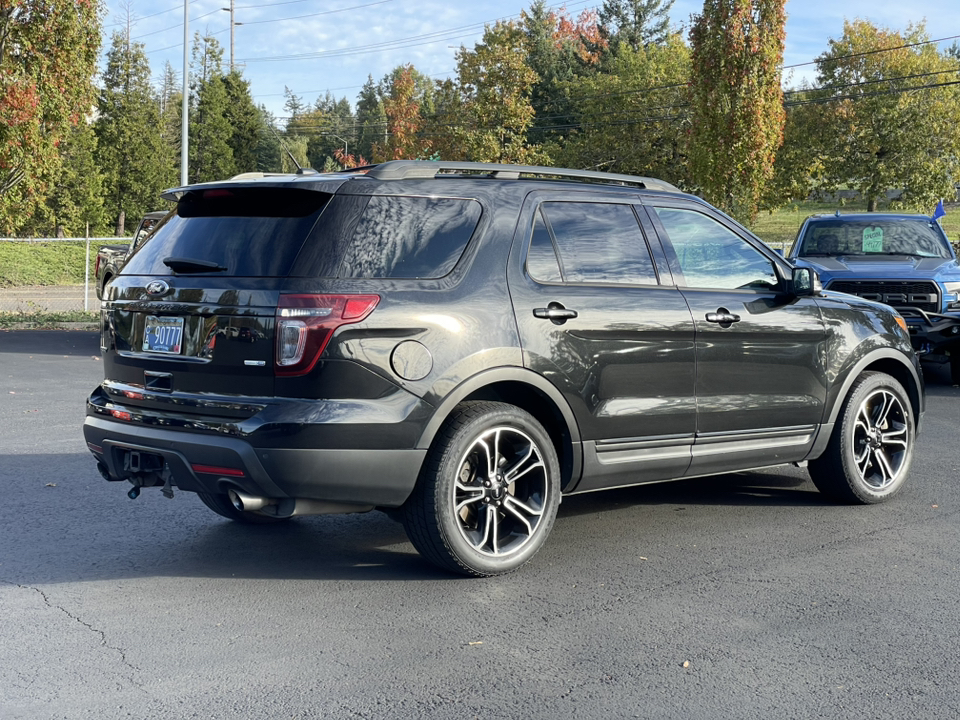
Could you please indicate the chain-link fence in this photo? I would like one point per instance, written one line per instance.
(42, 276)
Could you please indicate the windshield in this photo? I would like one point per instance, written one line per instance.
(888, 236)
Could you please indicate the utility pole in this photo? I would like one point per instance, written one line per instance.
(232, 24)
(184, 125)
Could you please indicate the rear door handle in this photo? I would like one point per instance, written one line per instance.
(555, 313)
(723, 317)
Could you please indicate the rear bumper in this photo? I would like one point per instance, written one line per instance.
(199, 464)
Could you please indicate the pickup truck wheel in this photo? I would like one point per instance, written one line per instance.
(870, 450)
(488, 494)
(221, 505)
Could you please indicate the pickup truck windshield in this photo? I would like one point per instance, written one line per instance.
(887, 236)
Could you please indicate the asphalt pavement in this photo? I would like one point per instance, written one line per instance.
(744, 596)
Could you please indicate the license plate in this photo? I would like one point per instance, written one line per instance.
(163, 334)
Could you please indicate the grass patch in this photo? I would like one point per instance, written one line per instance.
(46, 263)
(47, 320)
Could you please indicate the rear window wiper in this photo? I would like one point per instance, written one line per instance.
(190, 265)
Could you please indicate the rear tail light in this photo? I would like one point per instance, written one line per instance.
(96, 266)
(305, 324)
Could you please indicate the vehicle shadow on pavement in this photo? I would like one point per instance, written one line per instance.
(64, 524)
(786, 488)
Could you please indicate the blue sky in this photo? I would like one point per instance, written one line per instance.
(312, 46)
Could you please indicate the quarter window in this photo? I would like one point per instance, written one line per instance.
(599, 243)
(712, 256)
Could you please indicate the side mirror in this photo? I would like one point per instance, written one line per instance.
(806, 282)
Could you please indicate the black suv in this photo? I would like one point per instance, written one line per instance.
(461, 344)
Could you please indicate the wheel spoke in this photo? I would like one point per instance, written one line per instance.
(477, 496)
(883, 465)
(864, 462)
(509, 474)
(887, 404)
(896, 437)
(863, 455)
(513, 478)
(509, 507)
(514, 503)
(493, 521)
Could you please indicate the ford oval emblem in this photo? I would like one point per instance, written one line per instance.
(156, 288)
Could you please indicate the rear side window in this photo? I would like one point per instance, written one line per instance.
(249, 231)
(599, 243)
(409, 237)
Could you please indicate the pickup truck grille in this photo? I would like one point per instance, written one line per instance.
(899, 293)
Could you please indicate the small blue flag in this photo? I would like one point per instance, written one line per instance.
(938, 211)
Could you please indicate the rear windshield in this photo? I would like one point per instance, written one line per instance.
(249, 231)
(883, 236)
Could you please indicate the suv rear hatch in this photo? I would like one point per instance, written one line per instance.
(195, 309)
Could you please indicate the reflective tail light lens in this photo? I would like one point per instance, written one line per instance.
(305, 324)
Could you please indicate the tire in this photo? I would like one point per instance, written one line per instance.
(871, 448)
(222, 506)
(479, 514)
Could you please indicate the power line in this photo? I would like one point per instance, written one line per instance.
(325, 12)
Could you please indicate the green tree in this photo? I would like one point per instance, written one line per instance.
(631, 117)
(889, 115)
(76, 195)
(558, 51)
(737, 101)
(495, 86)
(245, 122)
(130, 149)
(211, 156)
(371, 118)
(636, 23)
(171, 124)
(269, 149)
(48, 57)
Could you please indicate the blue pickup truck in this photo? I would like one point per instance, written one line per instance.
(902, 260)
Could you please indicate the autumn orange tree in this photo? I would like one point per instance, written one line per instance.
(404, 122)
(48, 56)
(737, 102)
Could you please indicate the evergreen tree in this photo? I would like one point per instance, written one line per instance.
(171, 123)
(245, 121)
(269, 149)
(637, 23)
(211, 156)
(76, 198)
(130, 147)
(371, 119)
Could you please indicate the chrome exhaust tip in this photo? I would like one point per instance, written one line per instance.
(248, 503)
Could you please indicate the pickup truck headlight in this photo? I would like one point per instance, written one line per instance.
(952, 295)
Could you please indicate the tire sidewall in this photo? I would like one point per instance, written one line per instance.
(500, 415)
(869, 384)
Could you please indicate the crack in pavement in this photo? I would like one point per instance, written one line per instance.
(100, 633)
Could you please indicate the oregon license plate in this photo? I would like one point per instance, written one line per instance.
(163, 334)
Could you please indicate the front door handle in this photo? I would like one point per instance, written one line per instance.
(555, 313)
(723, 317)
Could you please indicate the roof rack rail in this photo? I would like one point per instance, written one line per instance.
(406, 169)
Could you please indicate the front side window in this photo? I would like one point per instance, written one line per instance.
(711, 255)
(599, 243)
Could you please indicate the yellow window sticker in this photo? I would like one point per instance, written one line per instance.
(873, 240)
